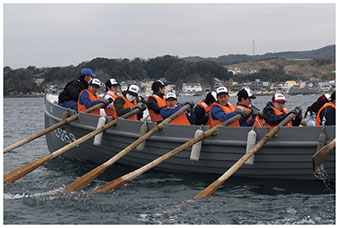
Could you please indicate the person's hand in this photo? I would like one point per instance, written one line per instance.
(141, 106)
(110, 100)
(299, 108)
(191, 104)
(243, 113)
(105, 102)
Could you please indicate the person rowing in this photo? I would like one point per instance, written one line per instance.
(244, 102)
(326, 115)
(129, 101)
(111, 92)
(172, 106)
(222, 110)
(69, 96)
(156, 101)
(275, 112)
(312, 111)
(203, 108)
(89, 97)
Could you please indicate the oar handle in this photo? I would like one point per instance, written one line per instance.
(50, 128)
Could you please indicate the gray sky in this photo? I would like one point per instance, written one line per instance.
(64, 34)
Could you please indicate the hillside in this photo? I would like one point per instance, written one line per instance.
(325, 52)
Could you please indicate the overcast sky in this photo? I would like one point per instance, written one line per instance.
(64, 34)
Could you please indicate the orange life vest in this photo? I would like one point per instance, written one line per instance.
(92, 97)
(257, 122)
(181, 119)
(277, 113)
(111, 111)
(129, 104)
(207, 108)
(161, 103)
(317, 121)
(227, 109)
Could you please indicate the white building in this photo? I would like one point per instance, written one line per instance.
(191, 87)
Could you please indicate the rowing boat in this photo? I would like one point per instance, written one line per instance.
(286, 156)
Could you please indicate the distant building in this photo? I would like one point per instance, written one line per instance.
(191, 87)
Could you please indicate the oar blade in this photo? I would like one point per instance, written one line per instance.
(209, 190)
(115, 184)
(84, 180)
(24, 170)
(321, 155)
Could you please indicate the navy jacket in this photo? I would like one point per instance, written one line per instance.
(166, 112)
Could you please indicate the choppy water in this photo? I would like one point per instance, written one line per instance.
(152, 198)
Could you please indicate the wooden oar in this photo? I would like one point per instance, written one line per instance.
(24, 170)
(216, 184)
(320, 156)
(90, 176)
(117, 183)
(51, 128)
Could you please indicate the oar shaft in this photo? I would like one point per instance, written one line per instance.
(24, 170)
(90, 176)
(117, 183)
(50, 128)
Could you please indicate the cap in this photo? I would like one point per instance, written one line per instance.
(245, 93)
(171, 95)
(95, 82)
(222, 90)
(156, 85)
(278, 97)
(111, 82)
(133, 90)
(87, 71)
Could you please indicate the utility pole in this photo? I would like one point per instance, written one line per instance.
(253, 51)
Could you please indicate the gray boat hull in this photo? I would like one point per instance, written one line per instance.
(287, 156)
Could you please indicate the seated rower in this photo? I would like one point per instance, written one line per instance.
(222, 110)
(156, 101)
(312, 111)
(244, 102)
(275, 112)
(111, 92)
(89, 97)
(171, 107)
(69, 96)
(203, 108)
(128, 101)
(326, 115)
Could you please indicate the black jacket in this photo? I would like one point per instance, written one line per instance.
(72, 90)
(329, 113)
(152, 104)
(273, 120)
(200, 117)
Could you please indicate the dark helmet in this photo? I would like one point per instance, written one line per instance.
(156, 85)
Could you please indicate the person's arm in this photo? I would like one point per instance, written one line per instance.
(191, 117)
(152, 104)
(119, 106)
(166, 112)
(219, 114)
(84, 100)
(271, 118)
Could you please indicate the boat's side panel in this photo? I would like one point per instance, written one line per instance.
(288, 155)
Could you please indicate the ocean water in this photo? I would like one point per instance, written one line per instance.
(154, 197)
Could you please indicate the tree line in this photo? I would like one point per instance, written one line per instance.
(172, 68)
